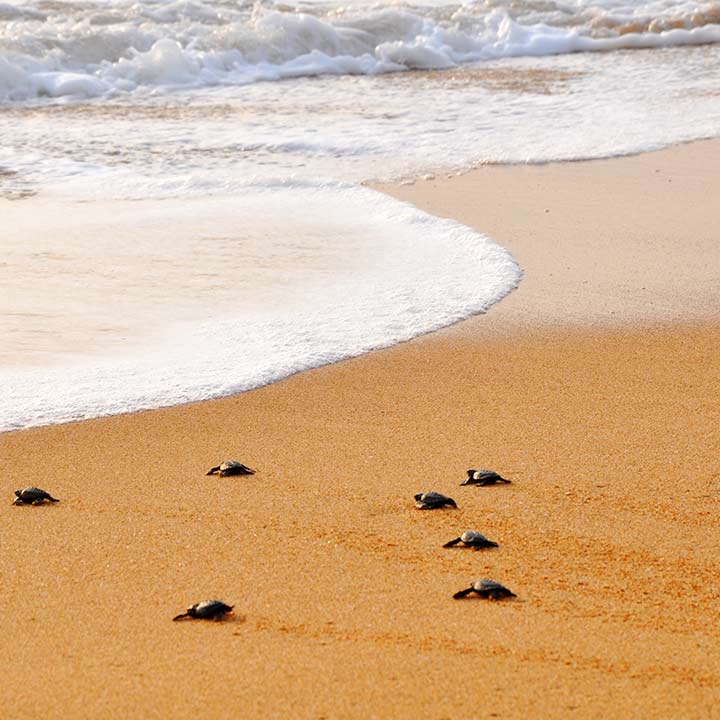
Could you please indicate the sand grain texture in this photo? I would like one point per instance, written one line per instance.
(608, 534)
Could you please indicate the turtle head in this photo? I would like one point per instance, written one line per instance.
(190, 612)
(470, 474)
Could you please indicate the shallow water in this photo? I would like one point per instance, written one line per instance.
(188, 302)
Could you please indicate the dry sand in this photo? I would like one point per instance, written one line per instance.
(594, 387)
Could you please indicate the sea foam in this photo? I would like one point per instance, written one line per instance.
(92, 49)
(246, 299)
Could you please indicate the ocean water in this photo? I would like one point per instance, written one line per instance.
(182, 212)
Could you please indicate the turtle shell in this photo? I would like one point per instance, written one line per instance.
(32, 495)
(432, 500)
(210, 609)
(491, 589)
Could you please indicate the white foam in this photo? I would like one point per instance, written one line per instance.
(578, 106)
(140, 46)
(164, 64)
(263, 293)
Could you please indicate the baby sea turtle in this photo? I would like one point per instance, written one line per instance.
(432, 500)
(473, 539)
(32, 496)
(230, 467)
(483, 477)
(486, 589)
(207, 610)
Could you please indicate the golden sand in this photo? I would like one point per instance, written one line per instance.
(600, 405)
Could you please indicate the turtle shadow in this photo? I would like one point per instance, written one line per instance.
(35, 505)
(487, 548)
(231, 619)
(494, 601)
(506, 484)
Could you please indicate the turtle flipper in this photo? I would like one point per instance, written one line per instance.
(430, 505)
(213, 470)
(52, 499)
(485, 544)
(462, 593)
(220, 612)
(498, 594)
(237, 470)
(181, 616)
(452, 542)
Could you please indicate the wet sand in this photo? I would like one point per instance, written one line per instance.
(595, 387)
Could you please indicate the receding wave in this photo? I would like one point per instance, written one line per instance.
(186, 301)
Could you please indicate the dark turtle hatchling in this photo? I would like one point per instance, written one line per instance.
(207, 610)
(432, 500)
(485, 588)
(483, 477)
(230, 467)
(473, 539)
(32, 496)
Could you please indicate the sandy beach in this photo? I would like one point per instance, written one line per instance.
(595, 387)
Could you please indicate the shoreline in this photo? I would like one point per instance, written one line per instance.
(343, 593)
(629, 284)
(634, 208)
